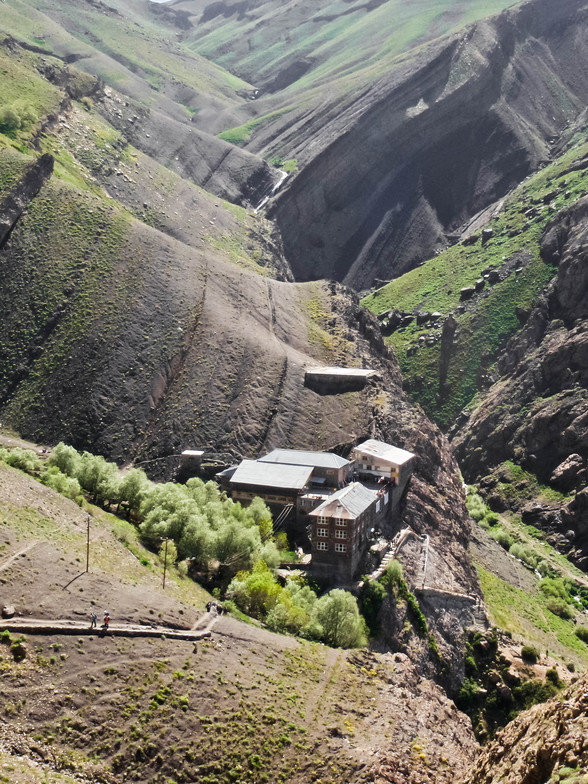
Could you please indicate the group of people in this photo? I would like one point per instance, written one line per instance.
(216, 607)
(94, 620)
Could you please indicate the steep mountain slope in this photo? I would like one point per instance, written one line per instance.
(404, 165)
(450, 318)
(536, 414)
(144, 316)
(164, 86)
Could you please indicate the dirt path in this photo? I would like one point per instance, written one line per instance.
(41, 626)
(12, 558)
(317, 702)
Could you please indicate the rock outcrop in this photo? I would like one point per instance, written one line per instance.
(545, 744)
(537, 413)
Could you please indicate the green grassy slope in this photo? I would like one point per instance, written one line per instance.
(142, 59)
(488, 320)
(339, 37)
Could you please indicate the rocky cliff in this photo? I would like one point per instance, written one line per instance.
(546, 744)
(536, 415)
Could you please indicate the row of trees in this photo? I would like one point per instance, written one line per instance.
(197, 517)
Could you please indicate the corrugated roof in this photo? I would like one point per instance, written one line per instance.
(290, 477)
(349, 502)
(299, 457)
(392, 454)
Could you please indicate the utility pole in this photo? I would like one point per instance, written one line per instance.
(164, 563)
(88, 546)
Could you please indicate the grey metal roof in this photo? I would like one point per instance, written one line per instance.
(299, 457)
(392, 454)
(290, 477)
(349, 502)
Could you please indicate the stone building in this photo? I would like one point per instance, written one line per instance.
(341, 528)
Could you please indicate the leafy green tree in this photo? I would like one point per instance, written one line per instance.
(66, 458)
(61, 483)
(133, 489)
(339, 616)
(24, 459)
(168, 554)
(255, 592)
(99, 478)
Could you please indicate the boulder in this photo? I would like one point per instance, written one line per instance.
(567, 474)
(8, 611)
(467, 292)
(487, 234)
(480, 283)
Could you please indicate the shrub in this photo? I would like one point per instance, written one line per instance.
(555, 588)
(552, 676)
(530, 654)
(476, 507)
(371, 597)
(560, 608)
(491, 518)
(501, 536)
(581, 633)
(533, 692)
(393, 574)
(467, 694)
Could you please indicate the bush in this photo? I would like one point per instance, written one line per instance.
(491, 518)
(501, 536)
(560, 608)
(552, 676)
(371, 597)
(581, 633)
(530, 654)
(533, 692)
(393, 574)
(476, 507)
(467, 694)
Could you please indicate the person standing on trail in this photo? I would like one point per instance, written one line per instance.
(94, 618)
(106, 620)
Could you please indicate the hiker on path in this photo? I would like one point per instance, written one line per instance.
(94, 618)
(106, 620)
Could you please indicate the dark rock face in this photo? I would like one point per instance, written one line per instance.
(412, 165)
(537, 413)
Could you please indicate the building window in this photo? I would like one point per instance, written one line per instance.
(322, 531)
(340, 521)
(323, 521)
(322, 545)
(340, 548)
(340, 534)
